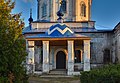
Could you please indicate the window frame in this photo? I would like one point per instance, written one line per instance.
(44, 10)
(64, 7)
(80, 56)
(107, 56)
(83, 9)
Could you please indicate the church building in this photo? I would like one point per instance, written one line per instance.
(64, 40)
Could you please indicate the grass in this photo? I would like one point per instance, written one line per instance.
(54, 79)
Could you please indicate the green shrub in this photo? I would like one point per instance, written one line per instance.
(12, 45)
(107, 74)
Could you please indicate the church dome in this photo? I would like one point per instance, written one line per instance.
(59, 29)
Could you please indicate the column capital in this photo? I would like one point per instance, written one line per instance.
(70, 41)
(45, 42)
(30, 43)
(87, 41)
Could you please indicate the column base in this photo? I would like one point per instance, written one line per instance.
(72, 73)
(45, 68)
(87, 66)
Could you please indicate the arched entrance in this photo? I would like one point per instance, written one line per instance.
(60, 60)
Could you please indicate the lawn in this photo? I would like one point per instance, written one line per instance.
(54, 80)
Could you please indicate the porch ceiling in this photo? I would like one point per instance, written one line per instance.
(59, 43)
(48, 39)
(45, 37)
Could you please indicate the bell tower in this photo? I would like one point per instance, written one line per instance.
(74, 10)
(82, 10)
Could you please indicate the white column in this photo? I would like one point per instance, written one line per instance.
(30, 52)
(86, 55)
(45, 56)
(30, 58)
(70, 57)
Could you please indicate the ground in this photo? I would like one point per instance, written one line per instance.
(54, 79)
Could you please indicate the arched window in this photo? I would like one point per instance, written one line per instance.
(83, 9)
(64, 6)
(44, 9)
(77, 56)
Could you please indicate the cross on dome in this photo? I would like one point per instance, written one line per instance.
(60, 13)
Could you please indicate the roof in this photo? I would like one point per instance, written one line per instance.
(74, 29)
(47, 21)
(59, 29)
(117, 26)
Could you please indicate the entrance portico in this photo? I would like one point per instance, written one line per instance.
(64, 57)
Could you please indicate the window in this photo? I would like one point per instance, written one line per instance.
(77, 56)
(64, 6)
(107, 58)
(92, 52)
(83, 9)
(50, 7)
(44, 10)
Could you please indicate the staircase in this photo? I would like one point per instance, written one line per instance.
(58, 72)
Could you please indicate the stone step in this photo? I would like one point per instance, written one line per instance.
(55, 76)
(58, 72)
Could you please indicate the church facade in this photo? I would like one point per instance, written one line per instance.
(68, 41)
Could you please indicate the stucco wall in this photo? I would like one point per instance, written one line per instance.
(116, 42)
(99, 42)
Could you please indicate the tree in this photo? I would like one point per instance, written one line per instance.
(12, 45)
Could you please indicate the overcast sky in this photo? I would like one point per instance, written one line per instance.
(106, 13)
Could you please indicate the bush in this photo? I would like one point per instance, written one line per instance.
(107, 74)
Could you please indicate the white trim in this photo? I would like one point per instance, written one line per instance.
(61, 31)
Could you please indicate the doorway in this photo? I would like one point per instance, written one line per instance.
(60, 60)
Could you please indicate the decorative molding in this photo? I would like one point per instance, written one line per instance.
(60, 30)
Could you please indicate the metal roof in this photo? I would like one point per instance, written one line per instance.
(29, 29)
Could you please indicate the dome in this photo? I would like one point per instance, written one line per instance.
(59, 30)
